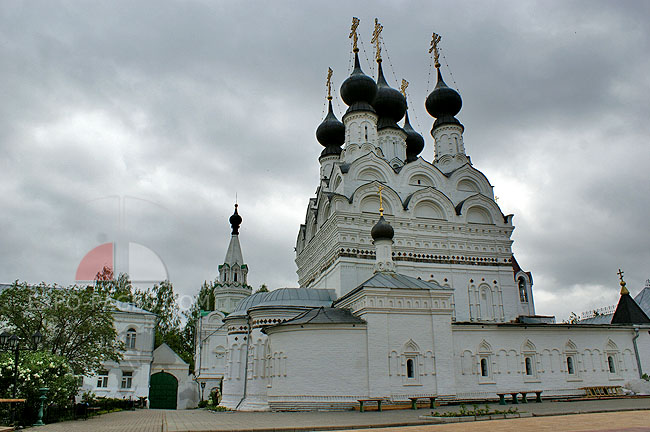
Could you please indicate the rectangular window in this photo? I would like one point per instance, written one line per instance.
(127, 380)
(102, 379)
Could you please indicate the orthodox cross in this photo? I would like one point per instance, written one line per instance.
(403, 87)
(329, 84)
(381, 202)
(375, 39)
(623, 288)
(353, 34)
(435, 40)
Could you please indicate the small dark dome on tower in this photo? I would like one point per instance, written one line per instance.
(443, 103)
(414, 141)
(389, 103)
(235, 221)
(331, 133)
(358, 90)
(382, 230)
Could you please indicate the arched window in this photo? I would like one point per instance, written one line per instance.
(569, 366)
(529, 366)
(484, 367)
(366, 133)
(610, 363)
(235, 277)
(130, 338)
(523, 293)
(410, 371)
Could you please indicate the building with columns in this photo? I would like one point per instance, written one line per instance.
(408, 284)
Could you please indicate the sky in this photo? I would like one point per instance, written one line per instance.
(142, 122)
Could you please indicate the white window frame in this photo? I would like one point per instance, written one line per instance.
(127, 380)
(102, 379)
(131, 338)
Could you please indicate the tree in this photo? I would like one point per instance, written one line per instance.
(573, 319)
(119, 289)
(76, 322)
(263, 288)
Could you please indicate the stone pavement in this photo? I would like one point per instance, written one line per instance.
(636, 417)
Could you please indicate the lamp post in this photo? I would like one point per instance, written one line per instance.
(202, 389)
(11, 342)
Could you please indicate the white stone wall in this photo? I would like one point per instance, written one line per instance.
(317, 367)
(506, 347)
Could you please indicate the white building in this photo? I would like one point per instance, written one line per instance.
(230, 289)
(130, 377)
(408, 283)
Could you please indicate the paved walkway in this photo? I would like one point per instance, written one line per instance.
(636, 417)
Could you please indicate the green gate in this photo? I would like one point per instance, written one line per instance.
(163, 391)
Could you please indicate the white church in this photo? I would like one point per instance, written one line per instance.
(408, 284)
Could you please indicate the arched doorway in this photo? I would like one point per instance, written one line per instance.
(163, 391)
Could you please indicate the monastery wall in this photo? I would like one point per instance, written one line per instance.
(557, 359)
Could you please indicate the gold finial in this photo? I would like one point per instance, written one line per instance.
(435, 40)
(381, 202)
(402, 88)
(353, 34)
(376, 34)
(329, 83)
(624, 290)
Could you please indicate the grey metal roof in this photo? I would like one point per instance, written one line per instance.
(643, 300)
(296, 297)
(130, 308)
(598, 319)
(325, 315)
(395, 280)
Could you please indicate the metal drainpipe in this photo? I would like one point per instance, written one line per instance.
(248, 343)
(636, 351)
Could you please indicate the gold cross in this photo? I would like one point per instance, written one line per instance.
(375, 39)
(620, 274)
(403, 87)
(329, 83)
(435, 40)
(381, 202)
(353, 34)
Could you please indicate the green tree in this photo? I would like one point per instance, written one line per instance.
(263, 288)
(76, 322)
(35, 370)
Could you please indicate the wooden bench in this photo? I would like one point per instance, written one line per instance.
(524, 399)
(414, 401)
(362, 401)
(603, 391)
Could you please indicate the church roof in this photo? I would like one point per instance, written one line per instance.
(234, 255)
(395, 280)
(286, 297)
(628, 312)
(324, 315)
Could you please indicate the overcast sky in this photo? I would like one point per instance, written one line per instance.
(166, 110)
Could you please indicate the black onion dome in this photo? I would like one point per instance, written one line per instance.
(414, 141)
(382, 230)
(358, 90)
(389, 103)
(235, 221)
(331, 132)
(443, 103)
